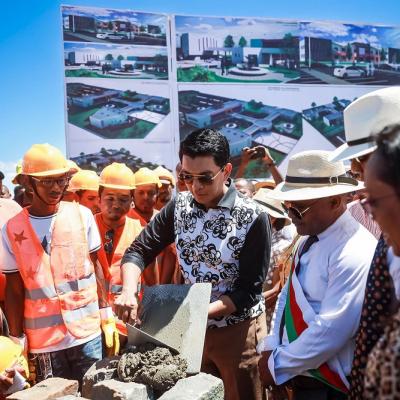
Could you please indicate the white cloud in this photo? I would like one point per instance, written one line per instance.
(246, 22)
(202, 27)
(324, 28)
(364, 38)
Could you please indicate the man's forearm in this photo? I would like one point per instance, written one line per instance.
(14, 304)
(222, 307)
(130, 277)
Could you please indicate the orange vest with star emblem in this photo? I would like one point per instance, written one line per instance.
(60, 288)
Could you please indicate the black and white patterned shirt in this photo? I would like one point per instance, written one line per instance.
(228, 246)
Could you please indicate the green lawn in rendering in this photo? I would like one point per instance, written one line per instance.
(85, 73)
(200, 74)
(139, 130)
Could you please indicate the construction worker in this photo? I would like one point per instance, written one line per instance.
(117, 231)
(85, 185)
(165, 269)
(54, 288)
(167, 185)
(145, 195)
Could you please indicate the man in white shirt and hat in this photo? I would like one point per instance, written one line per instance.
(369, 115)
(311, 342)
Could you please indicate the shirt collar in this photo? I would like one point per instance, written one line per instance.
(227, 200)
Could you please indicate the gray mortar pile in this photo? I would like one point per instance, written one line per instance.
(153, 366)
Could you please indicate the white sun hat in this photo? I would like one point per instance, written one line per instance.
(365, 117)
(310, 175)
(272, 206)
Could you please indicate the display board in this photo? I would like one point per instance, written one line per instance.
(137, 83)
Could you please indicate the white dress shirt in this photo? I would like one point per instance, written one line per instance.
(394, 269)
(333, 276)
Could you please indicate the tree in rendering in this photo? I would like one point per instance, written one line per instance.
(313, 104)
(120, 58)
(242, 42)
(109, 57)
(228, 42)
(383, 54)
(349, 52)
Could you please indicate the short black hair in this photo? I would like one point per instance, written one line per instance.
(388, 151)
(1, 176)
(206, 142)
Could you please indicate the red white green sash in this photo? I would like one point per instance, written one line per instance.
(295, 324)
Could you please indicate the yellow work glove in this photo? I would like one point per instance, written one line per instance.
(110, 333)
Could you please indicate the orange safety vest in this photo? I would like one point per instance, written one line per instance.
(112, 272)
(60, 289)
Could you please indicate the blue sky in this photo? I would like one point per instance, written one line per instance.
(32, 109)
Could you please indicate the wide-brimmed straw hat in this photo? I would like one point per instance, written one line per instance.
(366, 117)
(310, 175)
(272, 206)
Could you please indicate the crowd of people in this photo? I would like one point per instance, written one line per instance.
(304, 268)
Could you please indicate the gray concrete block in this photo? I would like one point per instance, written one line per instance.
(177, 315)
(98, 372)
(117, 390)
(198, 387)
(50, 389)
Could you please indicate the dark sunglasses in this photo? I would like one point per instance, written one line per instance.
(206, 179)
(295, 211)
(51, 182)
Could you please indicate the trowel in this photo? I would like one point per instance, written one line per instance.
(174, 316)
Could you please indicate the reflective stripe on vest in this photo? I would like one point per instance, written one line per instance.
(60, 289)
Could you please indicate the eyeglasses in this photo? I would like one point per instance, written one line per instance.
(296, 212)
(369, 204)
(109, 244)
(51, 182)
(206, 179)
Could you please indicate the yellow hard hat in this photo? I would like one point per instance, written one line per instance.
(11, 354)
(84, 179)
(45, 160)
(117, 176)
(18, 170)
(145, 176)
(73, 166)
(165, 175)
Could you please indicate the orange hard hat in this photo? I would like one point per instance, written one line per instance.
(145, 176)
(45, 160)
(84, 180)
(165, 175)
(117, 176)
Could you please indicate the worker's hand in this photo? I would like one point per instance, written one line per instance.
(263, 370)
(111, 336)
(12, 381)
(267, 157)
(126, 308)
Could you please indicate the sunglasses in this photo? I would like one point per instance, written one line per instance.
(299, 214)
(369, 204)
(51, 182)
(109, 245)
(206, 179)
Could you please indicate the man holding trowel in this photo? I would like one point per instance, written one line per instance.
(221, 238)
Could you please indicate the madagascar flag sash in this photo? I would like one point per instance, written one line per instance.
(295, 325)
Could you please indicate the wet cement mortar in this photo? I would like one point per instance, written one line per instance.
(153, 366)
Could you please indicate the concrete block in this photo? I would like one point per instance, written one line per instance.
(177, 316)
(98, 372)
(117, 390)
(50, 389)
(198, 387)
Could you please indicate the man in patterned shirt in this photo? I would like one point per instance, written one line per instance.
(223, 238)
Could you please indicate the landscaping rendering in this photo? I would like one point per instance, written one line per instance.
(244, 123)
(114, 114)
(327, 119)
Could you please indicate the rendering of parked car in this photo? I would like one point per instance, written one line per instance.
(348, 72)
(112, 36)
(101, 36)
